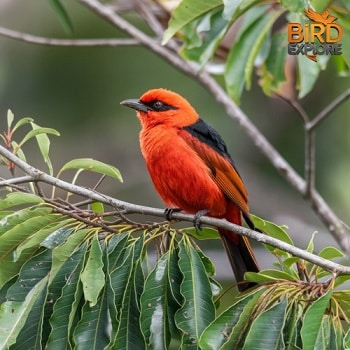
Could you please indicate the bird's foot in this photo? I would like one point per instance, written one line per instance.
(168, 213)
(197, 218)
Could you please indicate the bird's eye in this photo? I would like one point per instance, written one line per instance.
(157, 105)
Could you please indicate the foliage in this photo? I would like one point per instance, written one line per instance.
(260, 40)
(67, 285)
(72, 277)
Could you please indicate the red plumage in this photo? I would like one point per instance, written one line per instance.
(192, 170)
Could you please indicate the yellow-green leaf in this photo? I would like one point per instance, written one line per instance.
(93, 277)
(93, 165)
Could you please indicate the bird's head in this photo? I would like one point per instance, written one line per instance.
(161, 106)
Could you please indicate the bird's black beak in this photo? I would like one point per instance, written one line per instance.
(135, 104)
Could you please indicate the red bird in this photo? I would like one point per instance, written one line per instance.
(192, 170)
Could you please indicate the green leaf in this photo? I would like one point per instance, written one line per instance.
(120, 275)
(312, 321)
(97, 207)
(198, 308)
(202, 234)
(21, 122)
(187, 11)
(32, 334)
(62, 14)
(154, 306)
(324, 339)
(35, 132)
(288, 262)
(36, 239)
(308, 72)
(240, 61)
(340, 280)
(293, 323)
(93, 165)
(295, 5)
(230, 7)
(13, 315)
(266, 330)
(129, 333)
(117, 248)
(91, 333)
(44, 146)
(342, 298)
(17, 227)
(347, 340)
(57, 237)
(32, 272)
(203, 35)
(330, 253)
(65, 250)
(14, 199)
(19, 153)
(207, 263)
(218, 335)
(264, 276)
(341, 66)
(273, 69)
(310, 247)
(175, 276)
(344, 21)
(258, 44)
(272, 229)
(93, 277)
(10, 118)
(64, 310)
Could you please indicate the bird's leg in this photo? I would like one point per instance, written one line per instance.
(168, 212)
(197, 218)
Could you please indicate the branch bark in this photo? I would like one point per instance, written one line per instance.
(338, 229)
(35, 175)
(39, 40)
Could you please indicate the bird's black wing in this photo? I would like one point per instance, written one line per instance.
(207, 134)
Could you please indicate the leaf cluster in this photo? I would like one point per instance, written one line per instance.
(246, 35)
(74, 278)
(68, 285)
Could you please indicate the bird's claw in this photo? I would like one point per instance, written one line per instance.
(197, 218)
(168, 213)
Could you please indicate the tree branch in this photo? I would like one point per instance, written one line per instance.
(326, 111)
(337, 228)
(33, 39)
(37, 175)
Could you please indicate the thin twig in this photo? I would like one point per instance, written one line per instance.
(337, 228)
(310, 161)
(80, 218)
(40, 176)
(99, 182)
(15, 180)
(297, 106)
(33, 39)
(309, 148)
(326, 111)
(148, 15)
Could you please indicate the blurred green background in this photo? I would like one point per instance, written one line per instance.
(77, 91)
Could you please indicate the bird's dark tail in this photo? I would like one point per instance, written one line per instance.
(241, 258)
(239, 250)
